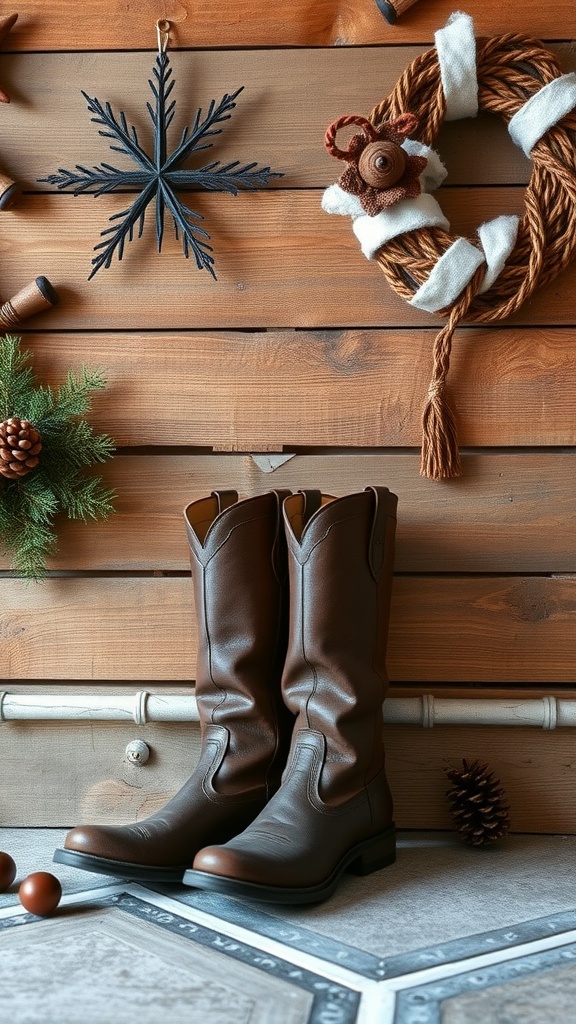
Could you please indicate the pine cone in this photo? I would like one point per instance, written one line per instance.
(477, 803)
(20, 445)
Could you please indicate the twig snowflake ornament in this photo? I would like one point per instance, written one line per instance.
(159, 177)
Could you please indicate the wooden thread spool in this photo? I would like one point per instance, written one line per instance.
(10, 192)
(36, 297)
(392, 9)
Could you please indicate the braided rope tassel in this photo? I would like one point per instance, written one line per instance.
(440, 458)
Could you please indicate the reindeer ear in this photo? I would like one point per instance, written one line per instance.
(343, 122)
(401, 127)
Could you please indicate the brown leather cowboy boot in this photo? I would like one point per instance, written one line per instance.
(333, 810)
(239, 570)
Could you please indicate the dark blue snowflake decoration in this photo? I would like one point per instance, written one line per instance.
(161, 176)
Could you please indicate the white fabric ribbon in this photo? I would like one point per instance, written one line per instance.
(497, 238)
(459, 263)
(434, 173)
(543, 110)
(456, 49)
(449, 276)
(336, 200)
(409, 215)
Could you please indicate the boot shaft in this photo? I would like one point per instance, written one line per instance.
(340, 554)
(239, 573)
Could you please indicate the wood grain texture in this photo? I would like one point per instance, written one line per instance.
(103, 785)
(49, 125)
(267, 390)
(281, 262)
(535, 767)
(509, 512)
(118, 25)
(447, 629)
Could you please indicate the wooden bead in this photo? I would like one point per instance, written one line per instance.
(7, 871)
(40, 893)
(382, 164)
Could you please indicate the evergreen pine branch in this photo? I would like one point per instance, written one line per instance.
(30, 504)
(37, 500)
(39, 404)
(9, 508)
(87, 499)
(30, 546)
(73, 443)
(73, 397)
(17, 378)
(28, 541)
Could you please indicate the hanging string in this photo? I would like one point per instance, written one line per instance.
(163, 34)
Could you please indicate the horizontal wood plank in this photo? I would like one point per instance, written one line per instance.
(508, 513)
(271, 390)
(448, 629)
(534, 766)
(103, 785)
(275, 123)
(259, 23)
(281, 262)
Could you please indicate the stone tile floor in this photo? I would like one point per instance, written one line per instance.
(447, 935)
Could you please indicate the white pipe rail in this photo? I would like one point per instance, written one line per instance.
(427, 711)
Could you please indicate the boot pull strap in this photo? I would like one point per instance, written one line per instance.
(384, 505)
(312, 502)
(279, 560)
(225, 499)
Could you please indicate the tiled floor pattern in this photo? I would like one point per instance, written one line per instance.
(401, 947)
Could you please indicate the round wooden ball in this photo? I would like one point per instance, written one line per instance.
(40, 893)
(382, 164)
(7, 871)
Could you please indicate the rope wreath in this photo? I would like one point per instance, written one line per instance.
(510, 70)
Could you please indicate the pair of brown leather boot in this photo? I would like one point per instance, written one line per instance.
(292, 597)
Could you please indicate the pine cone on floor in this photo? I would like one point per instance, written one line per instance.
(20, 446)
(477, 803)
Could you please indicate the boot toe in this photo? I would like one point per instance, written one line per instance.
(221, 860)
(98, 841)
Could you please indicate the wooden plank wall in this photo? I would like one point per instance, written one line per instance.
(300, 349)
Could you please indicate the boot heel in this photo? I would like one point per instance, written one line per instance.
(377, 853)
